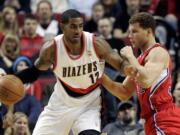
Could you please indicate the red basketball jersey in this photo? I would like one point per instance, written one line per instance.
(161, 115)
(159, 94)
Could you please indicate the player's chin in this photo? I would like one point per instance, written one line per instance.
(76, 40)
(133, 44)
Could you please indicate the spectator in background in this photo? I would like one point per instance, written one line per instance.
(28, 105)
(105, 31)
(59, 6)
(30, 41)
(84, 7)
(19, 125)
(34, 89)
(163, 7)
(48, 27)
(112, 8)
(105, 28)
(9, 52)
(174, 43)
(129, 8)
(172, 20)
(166, 33)
(21, 6)
(125, 123)
(8, 21)
(97, 13)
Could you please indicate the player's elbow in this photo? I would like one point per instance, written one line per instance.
(124, 95)
(123, 98)
(146, 84)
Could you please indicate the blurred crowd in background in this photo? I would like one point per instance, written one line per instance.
(26, 24)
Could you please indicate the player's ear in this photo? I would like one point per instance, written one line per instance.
(62, 26)
(149, 31)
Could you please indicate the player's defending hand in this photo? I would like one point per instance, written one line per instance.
(127, 54)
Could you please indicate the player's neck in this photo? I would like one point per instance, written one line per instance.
(73, 48)
(148, 44)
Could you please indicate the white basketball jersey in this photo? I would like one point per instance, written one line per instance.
(80, 74)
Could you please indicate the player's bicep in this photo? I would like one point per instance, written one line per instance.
(158, 59)
(46, 56)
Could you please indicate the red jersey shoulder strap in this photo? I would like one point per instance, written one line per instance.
(142, 57)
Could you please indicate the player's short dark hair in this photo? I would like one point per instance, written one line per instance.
(144, 19)
(68, 14)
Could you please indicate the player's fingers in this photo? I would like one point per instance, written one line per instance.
(122, 52)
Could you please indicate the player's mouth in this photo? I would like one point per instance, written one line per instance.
(76, 37)
(132, 41)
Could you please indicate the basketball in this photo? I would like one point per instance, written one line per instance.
(11, 89)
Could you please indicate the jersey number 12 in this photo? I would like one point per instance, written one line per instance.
(94, 77)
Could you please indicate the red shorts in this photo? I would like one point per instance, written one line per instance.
(165, 122)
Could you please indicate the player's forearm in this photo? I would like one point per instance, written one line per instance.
(115, 88)
(42, 64)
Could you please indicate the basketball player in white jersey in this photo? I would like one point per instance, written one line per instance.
(77, 58)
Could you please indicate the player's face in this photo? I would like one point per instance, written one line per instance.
(73, 30)
(138, 36)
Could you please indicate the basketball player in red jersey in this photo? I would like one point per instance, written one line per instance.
(150, 76)
(77, 59)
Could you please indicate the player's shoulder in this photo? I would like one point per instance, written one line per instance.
(99, 40)
(48, 45)
(158, 53)
(159, 50)
(87, 33)
(58, 37)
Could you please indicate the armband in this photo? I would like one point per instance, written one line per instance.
(29, 75)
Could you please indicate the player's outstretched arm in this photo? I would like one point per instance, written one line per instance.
(105, 52)
(43, 62)
(123, 91)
